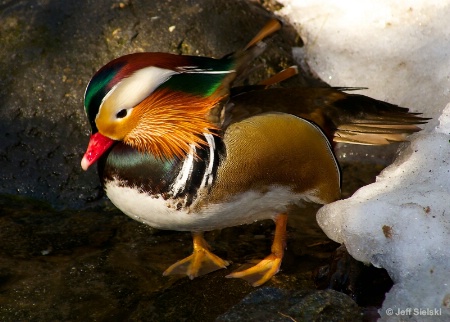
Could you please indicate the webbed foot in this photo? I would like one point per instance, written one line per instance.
(269, 266)
(201, 262)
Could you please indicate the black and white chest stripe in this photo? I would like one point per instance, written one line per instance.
(198, 171)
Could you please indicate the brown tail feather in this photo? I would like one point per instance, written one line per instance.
(378, 128)
(368, 138)
(281, 76)
(373, 134)
(350, 118)
(373, 122)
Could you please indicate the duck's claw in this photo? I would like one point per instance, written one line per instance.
(269, 266)
(201, 262)
(261, 272)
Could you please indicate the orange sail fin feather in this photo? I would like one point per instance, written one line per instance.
(270, 27)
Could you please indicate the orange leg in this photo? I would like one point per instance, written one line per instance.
(201, 262)
(269, 266)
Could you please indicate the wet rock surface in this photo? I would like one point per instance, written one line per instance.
(66, 253)
(98, 264)
(273, 304)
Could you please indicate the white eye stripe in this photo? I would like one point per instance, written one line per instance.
(196, 70)
(132, 90)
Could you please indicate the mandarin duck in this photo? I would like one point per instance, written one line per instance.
(179, 148)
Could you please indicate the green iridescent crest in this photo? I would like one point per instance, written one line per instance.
(96, 90)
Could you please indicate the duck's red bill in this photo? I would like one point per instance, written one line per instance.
(98, 144)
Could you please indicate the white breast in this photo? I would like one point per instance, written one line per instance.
(245, 208)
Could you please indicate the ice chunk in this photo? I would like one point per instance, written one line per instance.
(402, 221)
(400, 50)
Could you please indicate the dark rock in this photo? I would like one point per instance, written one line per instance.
(365, 284)
(272, 304)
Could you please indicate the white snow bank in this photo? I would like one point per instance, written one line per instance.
(402, 223)
(401, 51)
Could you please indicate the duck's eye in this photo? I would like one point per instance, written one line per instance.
(121, 114)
